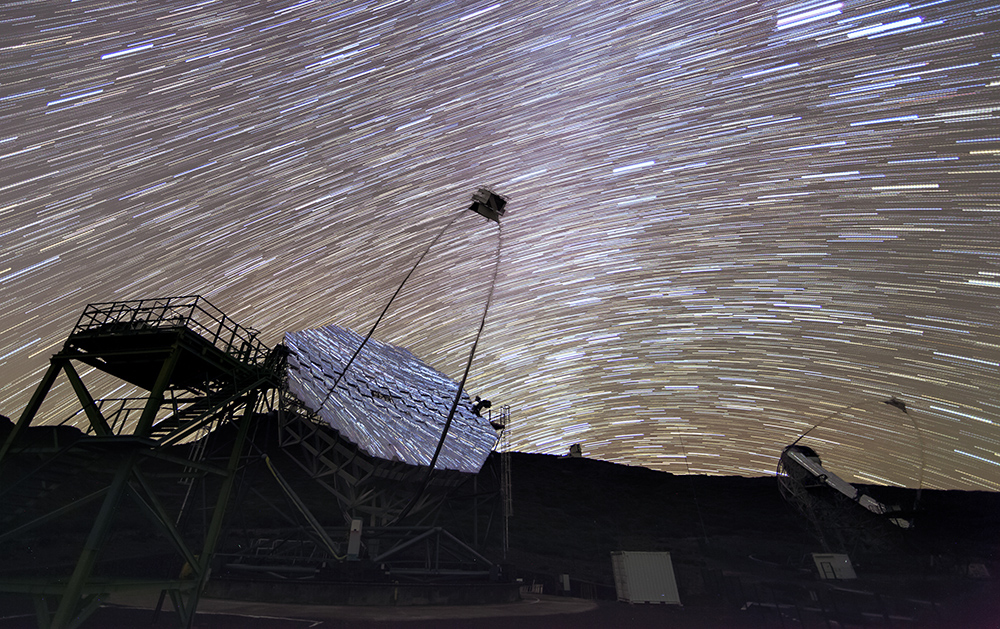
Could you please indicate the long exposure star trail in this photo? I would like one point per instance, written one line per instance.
(728, 221)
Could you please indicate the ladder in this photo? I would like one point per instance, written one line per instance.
(505, 482)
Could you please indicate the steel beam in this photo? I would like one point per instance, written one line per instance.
(218, 515)
(155, 400)
(158, 514)
(97, 421)
(52, 515)
(55, 364)
(69, 608)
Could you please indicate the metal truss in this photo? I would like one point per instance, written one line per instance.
(200, 372)
(372, 490)
(365, 487)
(395, 553)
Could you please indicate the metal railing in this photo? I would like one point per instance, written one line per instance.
(192, 311)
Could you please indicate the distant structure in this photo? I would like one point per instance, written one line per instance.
(576, 451)
(844, 518)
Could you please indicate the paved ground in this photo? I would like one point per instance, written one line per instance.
(534, 612)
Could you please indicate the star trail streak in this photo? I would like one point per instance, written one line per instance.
(729, 221)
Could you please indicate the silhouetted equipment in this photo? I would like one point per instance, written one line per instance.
(807, 459)
(901, 405)
(386, 435)
(386, 416)
(844, 518)
(372, 427)
(368, 442)
(479, 405)
(195, 370)
(489, 204)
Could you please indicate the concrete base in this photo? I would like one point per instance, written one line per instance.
(374, 594)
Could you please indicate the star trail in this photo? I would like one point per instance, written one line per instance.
(729, 221)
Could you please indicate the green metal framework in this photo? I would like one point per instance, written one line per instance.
(200, 371)
(366, 487)
(369, 490)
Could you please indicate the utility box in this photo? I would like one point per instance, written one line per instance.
(644, 577)
(354, 540)
(564, 583)
(834, 566)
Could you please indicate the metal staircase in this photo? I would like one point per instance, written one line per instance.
(200, 371)
(505, 476)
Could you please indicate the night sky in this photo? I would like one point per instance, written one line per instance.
(728, 221)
